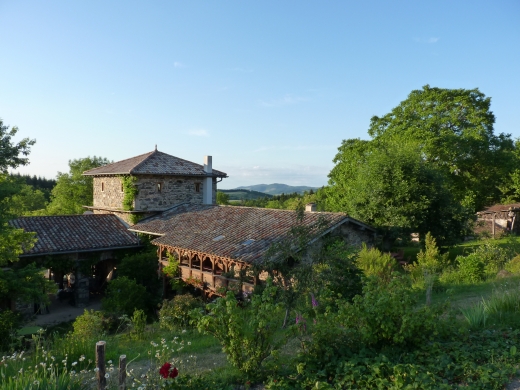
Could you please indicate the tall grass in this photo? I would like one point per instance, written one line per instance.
(475, 315)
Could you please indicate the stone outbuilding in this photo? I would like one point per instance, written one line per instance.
(209, 241)
(498, 219)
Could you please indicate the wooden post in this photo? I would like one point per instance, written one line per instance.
(493, 225)
(100, 365)
(122, 372)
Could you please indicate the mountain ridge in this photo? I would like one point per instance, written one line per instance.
(277, 188)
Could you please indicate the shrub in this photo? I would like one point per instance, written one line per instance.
(471, 268)
(513, 266)
(138, 324)
(375, 263)
(248, 333)
(124, 296)
(89, 325)
(174, 313)
(9, 321)
(493, 257)
(142, 267)
(387, 314)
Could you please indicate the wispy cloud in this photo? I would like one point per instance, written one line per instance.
(198, 132)
(427, 40)
(288, 99)
(178, 64)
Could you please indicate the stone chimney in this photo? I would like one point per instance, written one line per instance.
(310, 207)
(207, 187)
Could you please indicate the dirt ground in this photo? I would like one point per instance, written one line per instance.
(62, 312)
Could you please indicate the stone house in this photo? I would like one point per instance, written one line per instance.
(161, 181)
(174, 200)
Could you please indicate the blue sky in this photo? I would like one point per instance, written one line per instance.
(268, 88)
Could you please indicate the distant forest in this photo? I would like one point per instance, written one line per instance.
(39, 183)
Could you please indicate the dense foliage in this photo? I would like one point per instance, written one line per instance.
(73, 190)
(430, 164)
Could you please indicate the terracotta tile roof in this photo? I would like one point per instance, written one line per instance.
(153, 163)
(225, 230)
(70, 233)
(500, 207)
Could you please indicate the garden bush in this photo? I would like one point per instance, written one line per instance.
(513, 265)
(375, 263)
(9, 322)
(89, 325)
(471, 268)
(174, 313)
(387, 314)
(247, 332)
(123, 296)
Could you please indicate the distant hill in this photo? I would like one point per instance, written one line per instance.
(277, 189)
(244, 194)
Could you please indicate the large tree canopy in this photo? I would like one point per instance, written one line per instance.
(73, 190)
(431, 162)
(454, 130)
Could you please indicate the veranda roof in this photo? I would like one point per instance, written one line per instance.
(76, 233)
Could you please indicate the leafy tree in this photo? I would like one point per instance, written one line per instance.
(248, 332)
(123, 296)
(454, 129)
(25, 283)
(11, 153)
(391, 186)
(73, 190)
(142, 268)
(222, 198)
(28, 201)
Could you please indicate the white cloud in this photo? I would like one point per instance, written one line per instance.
(178, 64)
(288, 99)
(427, 40)
(198, 132)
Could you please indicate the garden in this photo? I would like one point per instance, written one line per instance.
(341, 318)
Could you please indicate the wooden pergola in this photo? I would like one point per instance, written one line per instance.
(211, 272)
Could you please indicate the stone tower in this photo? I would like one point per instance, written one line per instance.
(150, 183)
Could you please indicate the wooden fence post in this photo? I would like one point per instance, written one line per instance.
(122, 372)
(100, 365)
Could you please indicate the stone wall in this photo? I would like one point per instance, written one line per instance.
(108, 192)
(173, 190)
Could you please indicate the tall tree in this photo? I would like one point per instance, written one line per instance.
(12, 241)
(454, 130)
(73, 190)
(392, 187)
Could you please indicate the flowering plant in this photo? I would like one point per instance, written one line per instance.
(166, 371)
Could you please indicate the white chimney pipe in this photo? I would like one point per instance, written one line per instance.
(207, 194)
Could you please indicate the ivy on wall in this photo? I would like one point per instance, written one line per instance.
(130, 192)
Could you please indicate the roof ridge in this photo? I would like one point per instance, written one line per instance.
(120, 161)
(144, 159)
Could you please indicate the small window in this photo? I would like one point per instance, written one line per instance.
(159, 187)
(102, 186)
(197, 187)
(122, 187)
